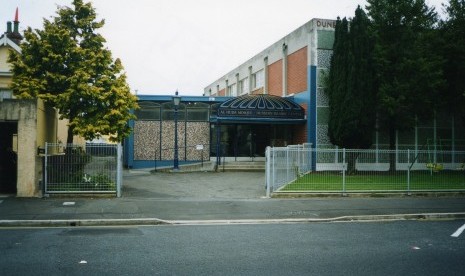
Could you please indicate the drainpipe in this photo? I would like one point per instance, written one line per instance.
(284, 76)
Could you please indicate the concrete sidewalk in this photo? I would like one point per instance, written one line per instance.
(201, 196)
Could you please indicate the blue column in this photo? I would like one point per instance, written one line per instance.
(312, 112)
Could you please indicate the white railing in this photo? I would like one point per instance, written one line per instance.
(305, 169)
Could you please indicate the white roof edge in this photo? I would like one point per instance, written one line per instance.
(4, 40)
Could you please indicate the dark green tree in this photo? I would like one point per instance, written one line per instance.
(408, 69)
(337, 80)
(68, 65)
(452, 31)
(352, 97)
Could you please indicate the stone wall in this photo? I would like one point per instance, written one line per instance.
(149, 146)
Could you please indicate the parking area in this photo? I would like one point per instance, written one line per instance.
(193, 185)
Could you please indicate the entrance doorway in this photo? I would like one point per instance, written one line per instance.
(249, 140)
(8, 157)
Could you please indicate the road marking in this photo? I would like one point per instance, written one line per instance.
(1, 201)
(69, 203)
(458, 232)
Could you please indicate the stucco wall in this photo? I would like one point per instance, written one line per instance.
(36, 125)
(24, 112)
(4, 66)
(46, 124)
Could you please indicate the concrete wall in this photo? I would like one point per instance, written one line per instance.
(294, 52)
(36, 125)
(24, 112)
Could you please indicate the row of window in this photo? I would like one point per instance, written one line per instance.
(186, 112)
(242, 87)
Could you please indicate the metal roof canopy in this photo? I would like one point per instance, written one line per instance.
(265, 109)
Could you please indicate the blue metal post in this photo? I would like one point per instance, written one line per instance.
(176, 102)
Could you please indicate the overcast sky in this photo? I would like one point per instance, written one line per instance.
(187, 44)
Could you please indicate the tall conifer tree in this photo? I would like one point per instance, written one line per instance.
(352, 94)
(337, 81)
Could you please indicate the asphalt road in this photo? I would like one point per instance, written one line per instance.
(370, 248)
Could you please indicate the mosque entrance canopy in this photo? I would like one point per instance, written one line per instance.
(260, 109)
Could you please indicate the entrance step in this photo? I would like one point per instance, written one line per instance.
(255, 166)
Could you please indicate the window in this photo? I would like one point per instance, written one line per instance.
(148, 111)
(197, 111)
(197, 114)
(258, 79)
(243, 86)
(167, 113)
(232, 90)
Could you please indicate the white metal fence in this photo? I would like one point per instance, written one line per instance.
(71, 169)
(305, 169)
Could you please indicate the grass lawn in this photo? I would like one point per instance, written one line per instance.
(379, 181)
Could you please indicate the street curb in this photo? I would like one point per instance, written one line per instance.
(81, 222)
(155, 221)
(367, 218)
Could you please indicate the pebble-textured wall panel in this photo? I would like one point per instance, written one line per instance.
(324, 58)
(147, 140)
(198, 133)
(167, 140)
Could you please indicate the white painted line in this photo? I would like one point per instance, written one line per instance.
(458, 232)
(69, 203)
(1, 201)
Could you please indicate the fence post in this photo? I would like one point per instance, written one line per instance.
(408, 172)
(273, 174)
(344, 172)
(45, 170)
(119, 170)
(267, 171)
(311, 157)
(287, 162)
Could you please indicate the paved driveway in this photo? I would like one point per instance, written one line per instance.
(194, 185)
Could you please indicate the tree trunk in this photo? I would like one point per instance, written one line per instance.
(351, 160)
(69, 141)
(392, 148)
(69, 138)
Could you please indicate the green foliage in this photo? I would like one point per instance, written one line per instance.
(452, 33)
(351, 84)
(407, 66)
(68, 65)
